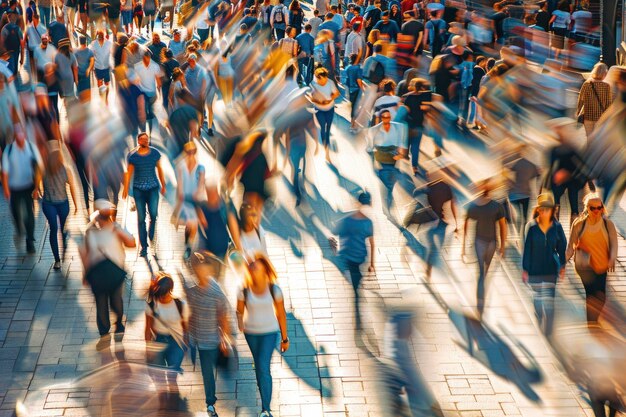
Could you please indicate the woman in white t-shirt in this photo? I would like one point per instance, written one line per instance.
(560, 22)
(251, 234)
(323, 95)
(260, 316)
(166, 323)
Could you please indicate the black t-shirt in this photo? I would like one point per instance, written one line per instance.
(438, 194)
(374, 16)
(156, 50)
(168, 69)
(478, 74)
(498, 18)
(413, 28)
(414, 101)
(543, 19)
(486, 216)
(114, 8)
(214, 238)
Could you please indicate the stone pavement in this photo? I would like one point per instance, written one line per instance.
(498, 368)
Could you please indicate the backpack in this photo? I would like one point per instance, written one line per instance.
(279, 16)
(376, 73)
(12, 40)
(437, 64)
(439, 40)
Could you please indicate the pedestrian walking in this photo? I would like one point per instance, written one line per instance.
(166, 324)
(388, 142)
(543, 259)
(190, 179)
(487, 213)
(251, 233)
(523, 173)
(103, 256)
(594, 98)
(261, 317)
(323, 94)
(55, 204)
(593, 244)
(209, 321)
(21, 176)
(144, 168)
(354, 231)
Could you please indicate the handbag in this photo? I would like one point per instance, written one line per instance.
(582, 259)
(385, 154)
(227, 356)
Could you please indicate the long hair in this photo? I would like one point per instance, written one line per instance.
(587, 199)
(270, 272)
(162, 284)
(54, 162)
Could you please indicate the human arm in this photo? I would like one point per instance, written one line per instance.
(372, 268)
(130, 169)
(75, 72)
(241, 305)
(161, 176)
(92, 62)
(465, 227)
(127, 239)
(453, 210)
(149, 333)
(503, 230)
(612, 232)
(582, 97)
(561, 245)
(72, 190)
(5, 185)
(573, 241)
(418, 43)
(527, 252)
(281, 315)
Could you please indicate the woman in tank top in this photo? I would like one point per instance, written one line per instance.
(261, 316)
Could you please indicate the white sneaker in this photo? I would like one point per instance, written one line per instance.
(210, 410)
(265, 414)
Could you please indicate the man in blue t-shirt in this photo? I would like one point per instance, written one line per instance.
(144, 164)
(354, 81)
(353, 231)
(306, 42)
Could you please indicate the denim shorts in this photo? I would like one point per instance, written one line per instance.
(103, 74)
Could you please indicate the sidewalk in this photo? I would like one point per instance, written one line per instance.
(500, 368)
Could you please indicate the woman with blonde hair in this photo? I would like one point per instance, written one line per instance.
(55, 204)
(261, 316)
(593, 244)
(372, 38)
(324, 51)
(594, 98)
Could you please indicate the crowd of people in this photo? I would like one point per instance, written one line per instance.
(409, 70)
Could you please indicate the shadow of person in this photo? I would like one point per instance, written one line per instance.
(344, 182)
(484, 345)
(304, 361)
(281, 223)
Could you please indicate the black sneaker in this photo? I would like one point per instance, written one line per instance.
(209, 132)
(120, 328)
(57, 265)
(143, 253)
(187, 254)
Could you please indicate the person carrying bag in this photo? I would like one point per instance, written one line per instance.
(593, 244)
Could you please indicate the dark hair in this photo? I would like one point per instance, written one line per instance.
(267, 265)
(385, 13)
(490, 63)
(162, 284)
(466, 54)
(143, 134)
(316, 12)
(329, 15)
(563, 6)
(353, 58)
(377, 47)
(433, 13)
(168, 53)
(308, 27)
(480, 59)
(388, 86)
(295, 5)
(82, 40)
(383, 111)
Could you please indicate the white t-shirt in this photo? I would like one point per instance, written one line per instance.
(253, 242)
(147, 77)
(323, 93)
(202, 22)
(259, 316)
(169, 321)
(104, 244)
(18, 163)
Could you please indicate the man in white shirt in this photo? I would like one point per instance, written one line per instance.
(44, 55)
(148, 75)
(21, 176)
(289, 45)
(102, 50)
(354, 45)
(388, 140)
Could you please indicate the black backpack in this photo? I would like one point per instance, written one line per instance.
(376, 73)
(12, 41)
(279, 16)
(179, 307)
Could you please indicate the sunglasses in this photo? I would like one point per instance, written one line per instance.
(596, 208)
(322, 76)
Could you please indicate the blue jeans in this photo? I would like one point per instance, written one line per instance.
(325, 119)
(208, 360)
(146, 199)
(52, 211)
(354, 268)
(305, 68)
(173, 354)
(415, 139)
(543, 300)
(388, 174)
(44, 15)
(262, 346)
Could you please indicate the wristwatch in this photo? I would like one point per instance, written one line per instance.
(286, 340)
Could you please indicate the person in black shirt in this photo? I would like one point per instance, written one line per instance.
(416, 103)
(480, 70)
(543, 17)
(498, 18)
(168, 68)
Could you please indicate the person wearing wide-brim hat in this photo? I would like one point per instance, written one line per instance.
(103, 259)
(543, 259)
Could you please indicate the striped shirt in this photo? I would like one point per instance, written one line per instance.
(207, 305)
(596, 96)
